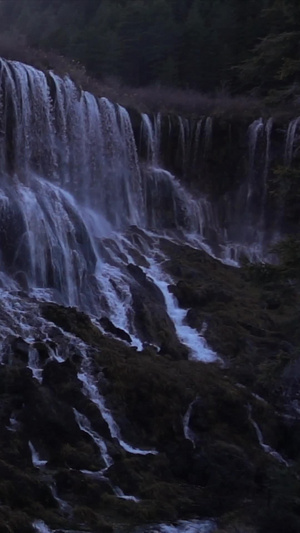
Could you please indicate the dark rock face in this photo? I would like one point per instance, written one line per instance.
(151, 318)
(109, 327)
(219, 469)
(72, 321)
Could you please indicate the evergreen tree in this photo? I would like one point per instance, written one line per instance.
(201, 44)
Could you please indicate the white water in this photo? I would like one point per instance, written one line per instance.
(85, 145)
(92, 392)
(118, 492)
(264, 446)
(41, 527)
(64, 506)
(85, 426)
(196, 142)
(268, 132)
(183, 526)
(14, 425)
(73, 180)
(36, 460)
(188, 433)
(290, 141)
(34, 364)
(187, 335)
(208, 129)
(70, 181)
(255, 129)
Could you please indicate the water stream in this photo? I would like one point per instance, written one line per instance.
(264, 446)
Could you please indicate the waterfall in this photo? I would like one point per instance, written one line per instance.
(36, 460)
(208, 128)
(86, 216)
(248, 231)
(290, 141)
(236, 224)
(91, 390)
(196, 144)
(68, 158)
(66, 154)
(34, 366)
(41, 527)
(72, 182)
(183, 526)
(188, 433)
(151, 134)
(85, 426)
(184, 144)
(255, 129)
(187, 335)
(265, 447)
(75, 140)
(268, 128)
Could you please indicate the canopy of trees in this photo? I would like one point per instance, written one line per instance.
(206, 45)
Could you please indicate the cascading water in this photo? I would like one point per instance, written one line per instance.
(265, 447)
(208, 133)
(193, 526)
(91, 390)
(70, 174)
(41, 527)
(290, 140)
(246, 214)
(36, 460)
(196, 142)
(71, 178)
(188, 336)
(86, 145)
(85, 426)
(244, 221)
(188, 433)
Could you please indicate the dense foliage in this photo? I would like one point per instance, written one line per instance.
(199, 44)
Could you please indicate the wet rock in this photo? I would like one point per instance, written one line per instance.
(199, 296)
(151, 289)
(54, 332)
(20, 348)
(50, 420)
(16, 381)
(21, 278)
(73, 321)
(88, 488)
(22, 490)
(111, 328)
(61, 377)
(152, 321)
(42, 349)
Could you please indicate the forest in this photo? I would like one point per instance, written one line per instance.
(205, 45)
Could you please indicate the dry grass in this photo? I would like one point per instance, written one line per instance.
(152, 98)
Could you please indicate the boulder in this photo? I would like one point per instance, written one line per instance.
(109, 327)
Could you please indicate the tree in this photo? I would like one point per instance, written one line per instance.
(274, 65)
